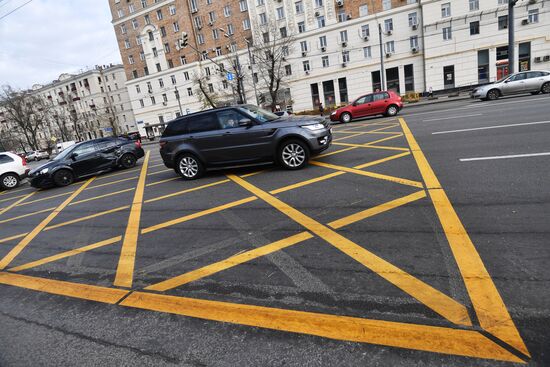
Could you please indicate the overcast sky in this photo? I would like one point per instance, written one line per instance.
(48, 37)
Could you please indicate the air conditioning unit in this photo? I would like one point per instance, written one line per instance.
(344, 64)
(165, 103)
(365, 38)
(210, 23)
(340, 3)
(317, 13)
(414, 50)
(547, 58)
(323, 49)
(388, 54)
(307, 72)
(344, 44)
(389, 33)
(199, 27)
(349, 17)
(415, 27)
(304, 54)
(525, 21)
(538, 59)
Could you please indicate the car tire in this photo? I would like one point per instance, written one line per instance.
(189, 166)
(293, 154)
(9, 181)
(63, 177)
(493, 94)
(545, 88)
(128, 160)
(392, 110)
(535, 93)
(345, 117)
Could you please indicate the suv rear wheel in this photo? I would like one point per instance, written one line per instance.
(9, 181)
(189, 167)
(293, 154)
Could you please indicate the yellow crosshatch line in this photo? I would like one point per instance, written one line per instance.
(436, 339)
(14, 204)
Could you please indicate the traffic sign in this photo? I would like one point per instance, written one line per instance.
(229, 76)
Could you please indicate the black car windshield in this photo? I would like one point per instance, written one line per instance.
(64, 153)
(260, 114)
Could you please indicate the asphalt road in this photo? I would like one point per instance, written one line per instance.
(413, 241)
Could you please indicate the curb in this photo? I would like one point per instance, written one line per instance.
(437, 101)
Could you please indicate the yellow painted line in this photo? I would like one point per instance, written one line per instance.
(431, 297)
(103, 196)
(488, 304)
(229, 263)
(186, 191)
(29, 237)
(158, 172)
(197, 215)
(117, 174)
(372, 147)
(4, 210)
(113, 182)
(156, 165)
(66, 254)
(179, 178)
(388, 333)
(384, 139)
(125, 269)
(7, 239)
(335, 152)
(76, 290)
(255, 173)
(5, 192)
(383, 160)
(48, 198)
(81, 219)
(163, 181)
(399, 180)
(26, 215)
(305, 183)
(14, 197)
(348, 137)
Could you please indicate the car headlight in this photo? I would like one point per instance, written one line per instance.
(44, 171)
(314, 127)
(333, 113)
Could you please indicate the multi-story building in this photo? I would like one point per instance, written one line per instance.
(92, 104)
(336, 54)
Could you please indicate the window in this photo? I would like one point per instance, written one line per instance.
(363, 10)
(288, 70)
(229, 119)
(138, 40)
(200, 39)
(386, 4)
(502, 22)
(155, 52)
(159, 14)
(502, 2)
(218, 51)
(161, 83)
(186, 75)
(343, 36)
(163, 31)
(321, 21)
(280, 13)
(149, 87)
(84, 149)
(164, 98)
(194, 6)
(225, 85)
(131, 59)
(138, 89)
(367, 54)
(413, 41)
(141, 103)
(265, 37)
(299, 6)
(390, 47)
(533, 16)
(176, 26)
(474, 28)
(474, 5)
(215, 34)
(172, 9)
(388, 25)
(159, 69)
(131, 8)
(123, 28)
(135, 23)
(303, 46)
(120, 13)
(189, 92)
(260, 2)
(143, 3)
(151, 36)
(306, 66)
(323, 41)
(283, 32)
(134, 74)
(445, 10)
(246, 24)
(325, 61)
(212, 16)
(198, 22)
(301, 27)
(345, 56)
(242, 5)
(230, 29)
(147, 19)
(207, 71)
(127, 43)
(365, 31)
(413, 19)
(167, 47)
(183, 60)
(263, 18)
(227, 11)
(202, 123)
(447, 33)
(318, 3)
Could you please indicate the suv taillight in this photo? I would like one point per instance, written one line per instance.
(138, 144)
(24, 161)
(162, 144)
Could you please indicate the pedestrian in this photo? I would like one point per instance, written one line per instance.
(430, 92)
(321, 109)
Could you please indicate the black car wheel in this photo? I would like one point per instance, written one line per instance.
(392, 111)
(545, 88)
(63, 177)
(345, 117)
(9, 181)
(293, 154)
(128, 160)
(493, 94)
(189, 167)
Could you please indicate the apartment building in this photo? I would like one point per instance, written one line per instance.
(438, 44)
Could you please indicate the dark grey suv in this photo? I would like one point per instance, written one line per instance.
(241, 135)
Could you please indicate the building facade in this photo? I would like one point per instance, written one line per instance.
(440, 45)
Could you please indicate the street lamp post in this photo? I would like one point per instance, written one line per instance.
(242, 94)
(511, 41)
(252, 71)
(382, 71)
(177, 92)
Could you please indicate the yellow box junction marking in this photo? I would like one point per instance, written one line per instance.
(125, 270)
(14, 204)
(29, 237)
(488, 305)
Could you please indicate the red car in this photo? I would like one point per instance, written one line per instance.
(380, 103)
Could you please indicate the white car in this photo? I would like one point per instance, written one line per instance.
(533, 82)
(38, 155)
(13, 169)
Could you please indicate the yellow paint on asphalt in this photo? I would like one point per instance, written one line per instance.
(230, 262)
(431, 297)
(103, 196)
(113, 182)
(163, 181)
(103, 177)
(488, 304)
(62, 288)
(388, 333)
(159, 172)
(11, 238)
(186, 191)
(125, 269)
(31, 235)
(384, 139)
(335, 152)
(82, 219)
(306, 183)
(13, 198)
(26, 215)
(383, 160)
(372, 147)
(380, 176)
(48, 198)
(14, 204)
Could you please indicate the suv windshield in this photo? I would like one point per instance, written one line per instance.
(259, 114)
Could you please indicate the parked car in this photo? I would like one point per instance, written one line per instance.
(380, 103)
(13, 169)
(88, 158)
(241, 135)
(38, 155)
(61, 146)
(533, 82)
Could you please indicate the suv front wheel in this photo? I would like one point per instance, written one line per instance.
(189, 167)
(293, 154)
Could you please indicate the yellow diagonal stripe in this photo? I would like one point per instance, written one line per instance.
(13, 205)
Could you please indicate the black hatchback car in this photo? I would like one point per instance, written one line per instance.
(241, 135)
(88, 158)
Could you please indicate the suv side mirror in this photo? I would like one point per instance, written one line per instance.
(73, 156)
(354, 104)
(245, 122)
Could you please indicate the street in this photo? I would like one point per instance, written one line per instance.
(415, 240)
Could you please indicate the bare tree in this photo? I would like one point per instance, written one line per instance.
(272, 45)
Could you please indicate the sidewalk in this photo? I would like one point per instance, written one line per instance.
(438, 99)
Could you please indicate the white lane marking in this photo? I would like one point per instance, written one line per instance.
(504, 157)
(503, 102)
(453, 117)
(491, 127)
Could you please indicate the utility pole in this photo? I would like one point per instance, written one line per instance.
(177, 92)
(511, 34)
(382, 71)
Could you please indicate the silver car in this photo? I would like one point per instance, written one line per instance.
(533, 82)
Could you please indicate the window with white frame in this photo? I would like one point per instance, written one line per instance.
(186, 75)
(246, 24)
(533, 16)
(227, 11)
(388, 25)
(445, 10)
(230, 29)
(390, 47)
(135, 24)
(301, 27)
(299, 7)
(280, 12)
(325, 61)
(344, 36)
(306, 66)
(215, 33)
(345, 56)
(243, 5)
(131, 59)
(176, 26)
(123, 28)
(365, 31)
(173, 79)
(323, 41)
(413, 19)
(159, 14)
(474, 5)
(263, 18)
(260, 2)
(120, 13)
(172, 9)
(386, 4)
(127, 43)
(200, 38)
(321, 21)
(303, 46)
(288, 70)
(367, 52)
(318, 3)
(413, 41)
(131, 8)
(447, 33)
(363, 10)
